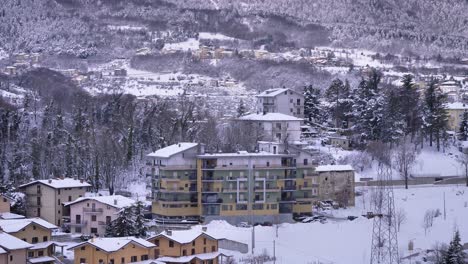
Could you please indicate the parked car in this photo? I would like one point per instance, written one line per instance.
(314, 218)
(244, 224)
(352, 217)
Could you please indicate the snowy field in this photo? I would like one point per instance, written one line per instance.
(343, 241)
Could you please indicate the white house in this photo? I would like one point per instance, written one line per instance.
(91, 215)
(276, 127)
(281, 100)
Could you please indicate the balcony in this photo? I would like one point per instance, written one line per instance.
(211, 190)
(234, 190)
(93, 210)
(212, 179)
(76, 224)
(212, 201)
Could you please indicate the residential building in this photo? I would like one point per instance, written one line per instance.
(187, 246)
(275, 127)
(455, 115)
(174, 176)
(45, 198)
(91, 215)
(12, 249)
(36, 232)
(451, 88)
(113, 250)
(281, 100)
(272, 184)
(339, 141)
(336, 183)
(5, 202)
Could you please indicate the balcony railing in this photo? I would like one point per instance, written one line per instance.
(93, 210)
(77, 224)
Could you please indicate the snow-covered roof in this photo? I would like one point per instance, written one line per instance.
(334, 168)
(8, 216)
(270, 117)
(2, 251)
(44, 245)
(60, 183)
(15, 225)
(274, 92)
(149, 261)
(42, 259)
(183, 236)
(10, 242)
(112, 244)
(457, 106)
(243, 154)
(117, 201)
(172, 150)
(187, 259)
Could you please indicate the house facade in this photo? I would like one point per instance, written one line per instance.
(281, 100)
(234, 186)
(115, 250)
(193, 246)
(45, 198)
(12, 249)
(5, 202)
(275, 127)
(455, 115)
(336, 183)
(91, 215)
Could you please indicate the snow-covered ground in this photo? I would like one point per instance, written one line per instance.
(343, 241)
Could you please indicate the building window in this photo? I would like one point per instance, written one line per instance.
(204, 250)
(144, 257)
(93, 230)
(108, 219)
(184, 252)
(35, 240)
(171, 244)
(58, 202)
(58, 191)
(11, 258)
(193, 251)
(93, 218)
(34, 227)
(133, 259)
(45, 239)
(298, 101)
(213, 248)
(268, 164)
(111, 261)
(122, 260)
(77, 229)
(306, 162)
(193, 243)
(156, 242)
(204, 241)
(69, 198)
(83, 248)
(82, 260)
(30, 254)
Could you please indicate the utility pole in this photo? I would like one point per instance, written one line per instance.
(249, 202)
(445, 214)
(274, 251)
(384, 248)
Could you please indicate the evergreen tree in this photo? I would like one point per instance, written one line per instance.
(368, 107)
(464, 127)
(434, 114)
(410, 106)
(393, 121)
(312, 108)
(123, 225)
(241, 109)
(455, 254)
(140, 227)
(340, 102)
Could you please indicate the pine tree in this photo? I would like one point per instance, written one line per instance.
(368, 107)
(140, 227)
(434, 113)
(464, 127)
(123, 225)
(410, 106)
(339, 99)
(312, 108)
(241, 109)
(393, 120)
(455, 254)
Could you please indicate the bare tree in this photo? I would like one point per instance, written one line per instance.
(428, 220)
(400, 216)
(404, 156)
(463, 159)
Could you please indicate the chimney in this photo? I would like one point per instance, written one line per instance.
(50, 180)
(168, 232)
(115, 201)
(204, 228)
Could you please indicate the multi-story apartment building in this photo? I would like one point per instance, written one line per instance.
(264, 186)
(281, 100)
(91, 215)
(175, 185)
(113, 250)
(45, 198)
(188, 246)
